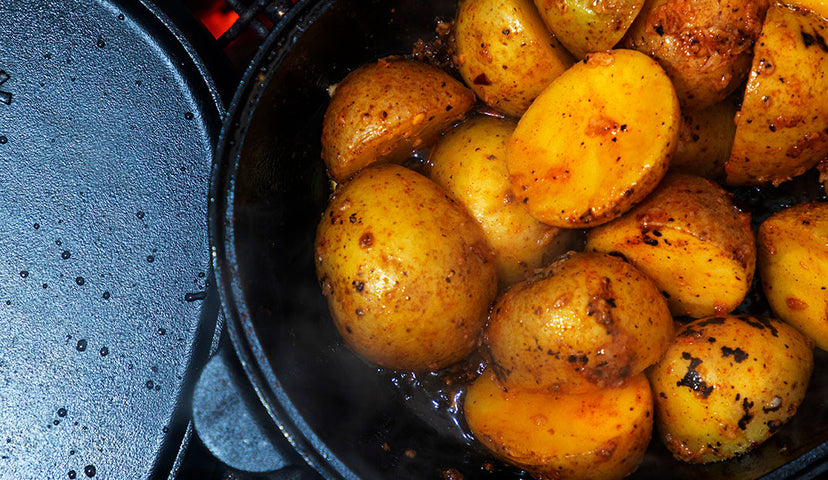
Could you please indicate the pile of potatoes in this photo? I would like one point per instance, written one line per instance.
(573, 222)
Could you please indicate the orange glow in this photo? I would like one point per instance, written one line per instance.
(218, 17)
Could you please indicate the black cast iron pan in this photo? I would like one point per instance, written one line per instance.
(347, 418)
(108, 122)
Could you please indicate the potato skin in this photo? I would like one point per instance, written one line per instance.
(596, 141)
(726, 384)
(704, 45)
(407, 273)
(587, 320)
(585, 26)
(782, 128)
(691, 240)
(598, 435)
(470, 163)
(793, 262)
(383, 111)
(505, 54)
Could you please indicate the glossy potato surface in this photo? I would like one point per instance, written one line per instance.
(782, 128)
(596, 141)
(704, 45)
(406, 271)
(470, 162)
(587, 320)
(505, 54)
(726, 384)
(585, 26)
(793, 262)
(691, 240)
(383, 111)
(598, 435)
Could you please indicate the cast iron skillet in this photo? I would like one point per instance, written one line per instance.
(346, 418)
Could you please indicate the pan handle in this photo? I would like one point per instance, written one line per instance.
(232, 424)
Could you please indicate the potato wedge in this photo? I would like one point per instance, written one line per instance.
(383, 111)
(585, 26)
(406, 271)
(691, 240)
(727, 384)
(505, 54)
(704, 45)
(587, 320)
(793, 265)
(782, 128)
(470, 162)
(598, 435)
(596, 141)
(705, 140)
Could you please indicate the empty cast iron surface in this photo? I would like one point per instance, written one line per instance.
(348, 419)
(106, 143)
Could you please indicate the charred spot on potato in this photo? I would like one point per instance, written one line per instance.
(482, 79)
(814, 39)
(748, 416)
(692, 379)
(738, 354)
(366, 240)
(358, 285)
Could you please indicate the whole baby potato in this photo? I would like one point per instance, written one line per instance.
(406, 271)
(704, 45)
(596, 141)
(383, 111)
(793, 262)
(726, 384)
(601, 434)
(587, 320)
(470, 162)
(504, 52)
(691, 240)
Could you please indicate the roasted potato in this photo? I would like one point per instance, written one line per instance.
(704, 45)
(470, 162)
(585, 26)
(587, 320)
(406, 271)
(705, 140)
(596, 141)
(598, 435)
(782, 128)
(504, 52)
(793, 265)
(691, 240)
(383, 111)
(726, 384)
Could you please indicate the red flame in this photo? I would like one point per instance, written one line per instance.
(216, 15)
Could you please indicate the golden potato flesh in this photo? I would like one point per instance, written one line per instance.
(691, 240)
(596, 141)
(470, 162)
(585, 26)
(383, 111)
(782, 128)
(601, 434)
(793, 262)
(726, 384)
(504, 52)
(705, 140)
(406, 271)
(704, 45)
(588, 320)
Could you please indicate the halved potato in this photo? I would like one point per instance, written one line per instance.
(587, 320)
(504, 52)
(470, 162)
(793, 263)
(596, 141)
(585, 26)
(726, 384)
(406, 271)
(691, 240)
(704, 45)
(383, 111)
(782, 128)
(598, 435)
